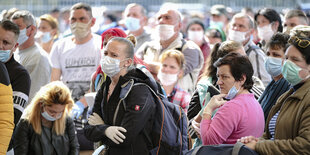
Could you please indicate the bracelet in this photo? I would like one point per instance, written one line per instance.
(205, 113)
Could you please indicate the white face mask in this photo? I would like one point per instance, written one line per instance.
(22, 38)
(167, 79)
(80, 30)
(195, 36)
(110, 66)
(237, 36)
(265, 32)
(165, 31)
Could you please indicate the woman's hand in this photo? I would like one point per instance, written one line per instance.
(196, 127)
(95, 119)
(247, 139)
(215, 102)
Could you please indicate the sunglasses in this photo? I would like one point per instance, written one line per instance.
(303, 43)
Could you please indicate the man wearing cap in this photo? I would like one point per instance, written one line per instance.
(241, 29)
(169, 37)
(135, 19)
(219, 17)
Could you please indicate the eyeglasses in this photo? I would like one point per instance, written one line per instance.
(303, 43)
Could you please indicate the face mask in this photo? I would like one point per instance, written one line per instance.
(290, 72)
(46, 37)
(22, 38)
(165, 31)
(80, 30)
(273, 66)
(110, 66)
(232, 93)
(167, 79)
(195, 36)
(265, 32)
(237, 36)
(132, 24)
(49, 117)
(217, 24)
(4, 55)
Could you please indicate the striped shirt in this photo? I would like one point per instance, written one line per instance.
(271, 94)
(272, 125)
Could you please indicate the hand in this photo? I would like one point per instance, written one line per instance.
(77, 110)
(251, 145)
(247, 139)
(196, 127)
(95, 119)
(115, 134)
(215, 102)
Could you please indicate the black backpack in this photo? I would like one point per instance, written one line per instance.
(222, 149)
(169, 134)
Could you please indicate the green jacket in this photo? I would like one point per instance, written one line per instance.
(292, 131)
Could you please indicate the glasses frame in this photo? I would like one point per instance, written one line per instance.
(303, 43)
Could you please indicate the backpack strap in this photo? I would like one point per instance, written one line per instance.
(254, 48)
(196, 150)
(183, 43)
(237, 148)
(125, 89)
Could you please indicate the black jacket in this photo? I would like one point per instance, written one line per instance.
(27, 142)
(136, 116)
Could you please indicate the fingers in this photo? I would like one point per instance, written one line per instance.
(247, 139)
(122, 129)
(96, 115)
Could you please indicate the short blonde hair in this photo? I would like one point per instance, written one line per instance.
(51, 21)
(53, 93)
(179, 57)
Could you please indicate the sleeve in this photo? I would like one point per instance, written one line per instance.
(74, 144)
(6, 110)
(21, 95)
(192, 59)
(137, 114)
(297, 145)
(140, 51)
(96, 133)
(21, 138)
(258, 59)
(54, 56)
(194, 106)
(217, 130)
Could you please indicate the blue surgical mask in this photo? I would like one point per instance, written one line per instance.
(232, 93)
(5, 55)
(46, 37)
(22, 38)
(290, 72)
(217, 24)
(132, 24)
(49, 117)
(273, 66)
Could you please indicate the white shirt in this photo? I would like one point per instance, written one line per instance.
(77, 62)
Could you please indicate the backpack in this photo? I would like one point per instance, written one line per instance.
(223, 149)
(169, 134)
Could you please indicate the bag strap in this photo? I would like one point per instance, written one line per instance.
(237, 148)
(196, 150)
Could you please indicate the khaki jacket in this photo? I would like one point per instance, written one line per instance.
(292, 131)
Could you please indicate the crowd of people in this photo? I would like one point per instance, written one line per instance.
(67, 88)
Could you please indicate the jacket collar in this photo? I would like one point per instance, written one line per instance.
(302, 91)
